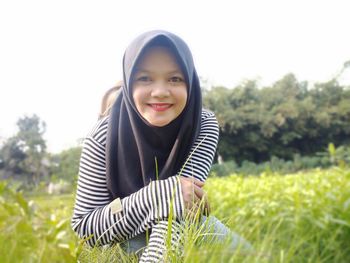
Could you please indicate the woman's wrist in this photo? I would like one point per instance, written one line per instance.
(169, 194)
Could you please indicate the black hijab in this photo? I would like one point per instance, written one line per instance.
(133, 143)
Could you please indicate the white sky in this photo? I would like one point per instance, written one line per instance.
(58, 57)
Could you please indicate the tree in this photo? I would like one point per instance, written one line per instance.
(11, 159)
(282, 120)
(24, 155)
(65, 165)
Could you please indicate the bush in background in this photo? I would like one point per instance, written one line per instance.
(333, 157)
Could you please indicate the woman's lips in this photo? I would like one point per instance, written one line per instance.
(160, 106)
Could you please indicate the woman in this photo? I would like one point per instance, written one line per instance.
(148, 158)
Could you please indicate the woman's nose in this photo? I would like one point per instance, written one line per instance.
(160, 90)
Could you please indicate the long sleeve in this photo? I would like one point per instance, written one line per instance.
(198, 165)
(93, 218)
(202, 153)
(159, 242)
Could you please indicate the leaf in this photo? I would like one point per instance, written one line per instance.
(346, 204)
(60, 235)
(320, 224)
(339, 222)
(22, 202)
(62, 223)
(3, 186)
(331, 149)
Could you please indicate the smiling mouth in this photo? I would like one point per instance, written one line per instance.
(160, 106)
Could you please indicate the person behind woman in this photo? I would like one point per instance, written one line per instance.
(149, 157)
(108, 99)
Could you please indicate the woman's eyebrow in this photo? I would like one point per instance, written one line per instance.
(174, 71)
(138, 70)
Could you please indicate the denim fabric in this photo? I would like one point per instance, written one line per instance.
(135, 244)
(213, 229)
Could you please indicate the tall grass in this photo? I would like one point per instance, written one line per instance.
(35, 233)
(303, 217)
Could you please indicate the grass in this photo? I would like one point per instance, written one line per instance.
(46, 202)
(303, 217)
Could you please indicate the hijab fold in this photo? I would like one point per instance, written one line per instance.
(135, 148)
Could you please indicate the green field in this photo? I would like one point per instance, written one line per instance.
(302, 217)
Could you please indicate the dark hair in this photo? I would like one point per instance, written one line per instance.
(108, 99)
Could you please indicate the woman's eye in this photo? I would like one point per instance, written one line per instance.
(143, 79)
(176, 79)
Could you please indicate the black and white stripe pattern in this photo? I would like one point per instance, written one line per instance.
(159, 241)
(149, 207)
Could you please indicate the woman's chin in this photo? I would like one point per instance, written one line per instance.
(159, 122)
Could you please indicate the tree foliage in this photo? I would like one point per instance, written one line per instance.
(282, 120)
(65, 165)
(23, 156)
(12, 157)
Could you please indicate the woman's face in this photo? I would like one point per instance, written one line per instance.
(158, 87)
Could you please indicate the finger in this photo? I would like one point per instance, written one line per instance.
(193, 180)
(199, 192)
(194, 201)
(193, 212)
(206, 210)
(204, 204)
(198, 183)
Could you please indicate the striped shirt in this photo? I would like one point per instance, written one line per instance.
(145, 209)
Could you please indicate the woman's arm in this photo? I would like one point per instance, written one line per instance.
(202, 153)
(160, 242)
(197, 165)
(93, 217)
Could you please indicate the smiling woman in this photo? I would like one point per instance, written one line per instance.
(143, 166)
(159, 89)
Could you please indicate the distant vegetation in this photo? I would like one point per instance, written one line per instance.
(285, 120)
(301, 217)
(332, 157)
(25, 161)
(286, 127)
(294, 139)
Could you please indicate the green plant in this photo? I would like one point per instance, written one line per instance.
(300, 217)
(32, 234)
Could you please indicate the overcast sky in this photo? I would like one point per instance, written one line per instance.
(58, 57)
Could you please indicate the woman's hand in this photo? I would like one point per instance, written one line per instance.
(193, 194)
